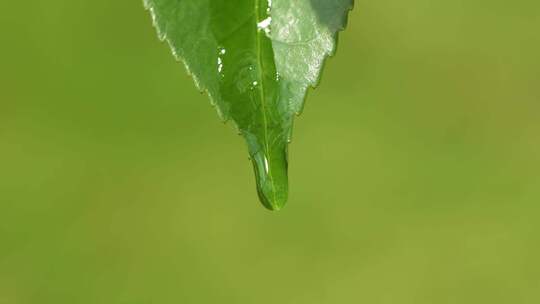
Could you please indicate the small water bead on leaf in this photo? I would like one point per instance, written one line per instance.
(221, 53)
(256, 59)
(265, 25)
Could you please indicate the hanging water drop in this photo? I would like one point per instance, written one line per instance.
(271, 177)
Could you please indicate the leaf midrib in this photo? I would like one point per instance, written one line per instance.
(258, 33)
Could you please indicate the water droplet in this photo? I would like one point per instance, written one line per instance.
(265, 25)
(221, 53)
(271, 175)
(220, 64)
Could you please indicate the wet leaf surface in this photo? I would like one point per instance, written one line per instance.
(255, 59)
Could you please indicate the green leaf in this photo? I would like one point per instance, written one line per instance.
(255, 59)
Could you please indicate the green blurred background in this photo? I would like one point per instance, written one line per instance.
(414, 168)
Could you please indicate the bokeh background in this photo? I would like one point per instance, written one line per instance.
(414, 168)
